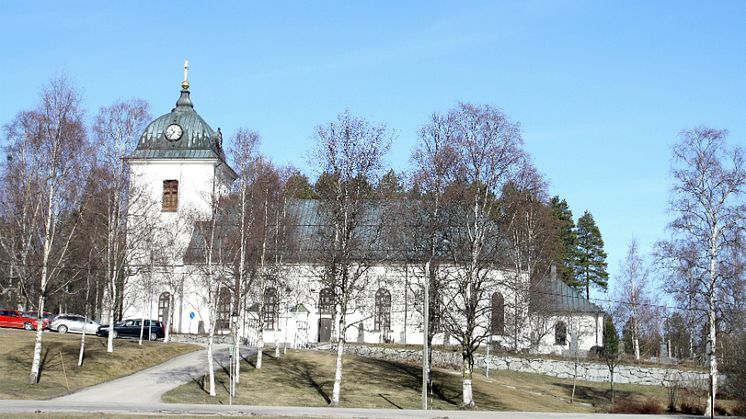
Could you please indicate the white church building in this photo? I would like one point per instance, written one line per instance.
(180, 166)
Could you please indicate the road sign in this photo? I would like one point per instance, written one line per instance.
(191, 315)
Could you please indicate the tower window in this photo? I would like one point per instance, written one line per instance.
(170, 195)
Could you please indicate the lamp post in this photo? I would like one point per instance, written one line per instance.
(288, 290)
(233, 357)
(426, 320)
(425, 332)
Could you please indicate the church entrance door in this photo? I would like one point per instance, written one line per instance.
(325, 330)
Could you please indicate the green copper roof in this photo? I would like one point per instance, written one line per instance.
(198, 139)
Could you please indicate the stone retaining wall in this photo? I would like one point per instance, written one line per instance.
(587, 371)
(200, 339)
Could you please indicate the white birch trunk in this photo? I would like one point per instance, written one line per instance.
(237, 354)
(36, 363)
(468, 397)
(711, 313)
(110, 338)
(48, 237)
(338, 373)
(169, 316)
(259, 346)
(210, 367)
(277, 341)
(82, 347)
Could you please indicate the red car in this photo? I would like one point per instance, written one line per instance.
(15, 319)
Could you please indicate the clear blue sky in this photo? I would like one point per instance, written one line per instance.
(601, 89)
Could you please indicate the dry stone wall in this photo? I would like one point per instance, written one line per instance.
(588, 371)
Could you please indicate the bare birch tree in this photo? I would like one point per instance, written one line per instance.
(56, 135)
(434, 170)
(708, 208)
(117, 129)
(488, 153)
(349, 153)
(634, 295)
(245, 145)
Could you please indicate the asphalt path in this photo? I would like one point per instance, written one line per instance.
(148, 385)
(161, 409)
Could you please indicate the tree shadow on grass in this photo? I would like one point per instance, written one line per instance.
(593, 395)
(200, 383)
(299, 374)
(388, 400)
(318, 387)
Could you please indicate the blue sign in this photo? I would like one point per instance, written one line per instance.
(191, 315)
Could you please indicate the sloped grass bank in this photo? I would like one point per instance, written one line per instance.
(306, 378)
(60, 359)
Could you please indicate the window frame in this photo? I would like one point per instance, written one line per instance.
(164, 304)
(560, 333)
(382, 314)
(326, 301)
(223, 310)
(170, 198)
(497, 313)
(270, 309)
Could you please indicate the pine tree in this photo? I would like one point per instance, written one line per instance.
(566, 231)
(590, 257)
(390, 186)
(611, 349)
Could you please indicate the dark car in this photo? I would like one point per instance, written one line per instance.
(16, 319)
(152, 329)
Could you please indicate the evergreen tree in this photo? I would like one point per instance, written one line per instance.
(566, 232)
(612, 350)
(298, 186)
(390, 186)
(590, 257)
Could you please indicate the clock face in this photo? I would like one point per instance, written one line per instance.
(173, 132)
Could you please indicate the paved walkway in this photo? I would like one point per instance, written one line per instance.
(143, 409)
(147, 386)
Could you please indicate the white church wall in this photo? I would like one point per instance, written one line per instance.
(301, 286)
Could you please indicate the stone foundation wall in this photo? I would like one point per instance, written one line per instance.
(200, 339)
(587, 371)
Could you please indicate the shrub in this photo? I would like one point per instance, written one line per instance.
(693, 398)
(647, 407)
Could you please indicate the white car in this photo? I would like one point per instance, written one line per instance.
(73, 323)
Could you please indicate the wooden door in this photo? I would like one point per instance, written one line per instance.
(325, 330)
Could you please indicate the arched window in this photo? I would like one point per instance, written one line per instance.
(382, 318)
(164, 307)
(271, 308)
(223, 318)
(326, 301)
(497, 322)
(560, 333)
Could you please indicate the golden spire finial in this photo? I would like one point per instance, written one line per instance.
(185, 83)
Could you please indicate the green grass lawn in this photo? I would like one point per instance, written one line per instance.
(305, 378)
(58, 351)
